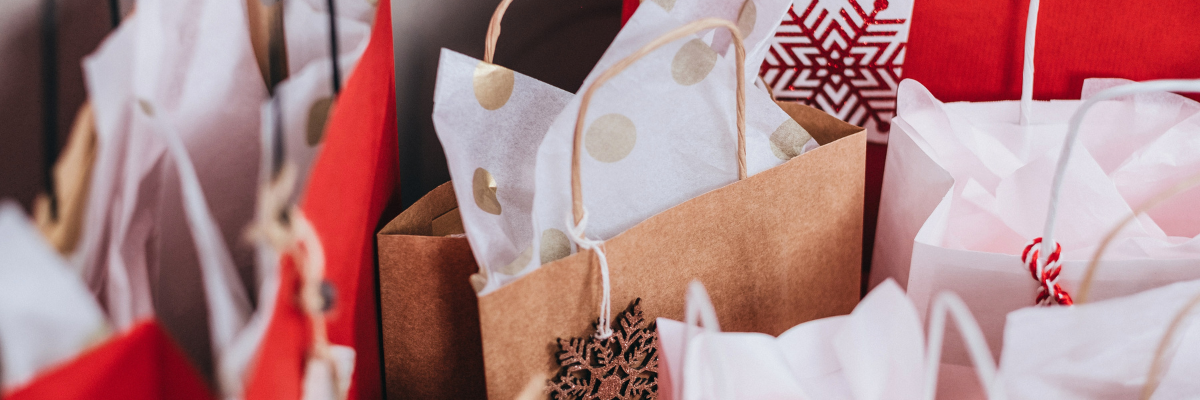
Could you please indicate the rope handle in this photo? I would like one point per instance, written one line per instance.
(493, 32)
(675, 34)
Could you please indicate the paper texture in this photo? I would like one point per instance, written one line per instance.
(876, 352)
(661, 132)
(756, 19)
(430, 314)
(1102, 350)
(750, 242)
(47, 315)
(490, 121)
(966, 187)
(118, 227)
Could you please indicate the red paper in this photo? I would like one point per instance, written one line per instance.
(140, 364)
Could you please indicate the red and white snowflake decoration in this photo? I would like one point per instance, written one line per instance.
(839, 57)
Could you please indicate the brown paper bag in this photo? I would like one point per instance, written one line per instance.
(775, 249)
(431, 344)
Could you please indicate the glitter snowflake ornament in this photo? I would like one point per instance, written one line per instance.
(842, 56)
(622, 366)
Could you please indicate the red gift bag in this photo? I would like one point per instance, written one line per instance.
(351, 183)
(140, 364)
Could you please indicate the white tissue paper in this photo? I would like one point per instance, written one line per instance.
(47, 314)
(661, 132)
(1102, 350)
(490, 121)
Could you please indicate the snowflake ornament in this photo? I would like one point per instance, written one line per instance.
(842, 56)
(623, 366)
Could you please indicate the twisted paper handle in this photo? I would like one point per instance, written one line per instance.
(1049, 291)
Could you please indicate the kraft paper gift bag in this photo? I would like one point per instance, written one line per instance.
(490, 121)
(876, 352)
(431, 341)
(684, 90)
(966, 186)
(749, 239)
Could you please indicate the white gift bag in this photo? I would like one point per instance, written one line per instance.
(876, 352)
(1115, 349)
(192, 61)
(47, 314)
(965, 188)
(660, 134)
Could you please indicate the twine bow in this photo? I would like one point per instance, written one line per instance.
(603, 328)
(1049, 291)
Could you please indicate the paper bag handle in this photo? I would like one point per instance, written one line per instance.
(1164, 85)
(700, 310)
(675, 34)
(985, 365)
(493, 32)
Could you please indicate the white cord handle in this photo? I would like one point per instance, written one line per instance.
(700, 310)
(1027, 70)
(1165, 85)
(985, 365)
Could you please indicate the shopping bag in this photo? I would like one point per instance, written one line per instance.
(876, 352)
(966, 183)
(761, 221)
(490, 121)
(356, 166)
(1117, 348)
(430, 318)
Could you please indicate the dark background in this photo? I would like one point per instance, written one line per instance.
(555, 41)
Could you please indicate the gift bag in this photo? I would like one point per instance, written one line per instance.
(876, 352)
(1118, 348)
(356, 166)
(490, 121)
(431, 342)
(965, 185)
(749, 238)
